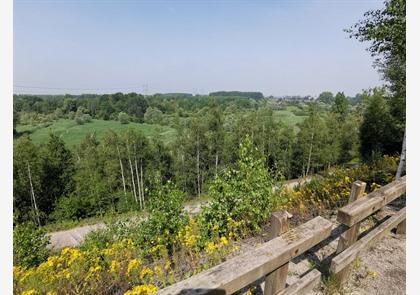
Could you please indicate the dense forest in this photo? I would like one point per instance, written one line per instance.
(53, 181)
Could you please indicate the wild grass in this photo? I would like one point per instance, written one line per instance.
(288, 117)
(107, 218)
(73, 133)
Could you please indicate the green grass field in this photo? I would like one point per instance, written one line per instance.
(288, 117)
(73, 134)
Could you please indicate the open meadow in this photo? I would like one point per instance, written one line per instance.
(73, 133)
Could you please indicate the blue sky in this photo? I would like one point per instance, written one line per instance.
(277, 47)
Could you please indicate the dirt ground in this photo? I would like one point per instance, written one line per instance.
(75, 236)
(379, 270)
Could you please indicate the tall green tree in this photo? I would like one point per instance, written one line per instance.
(91, 195)
(377, 131)
(57, 168)
(341, 105)
(385, 30)
(326, 97)
(311, 151)
(27, 181)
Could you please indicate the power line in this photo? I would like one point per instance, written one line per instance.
(80, 89)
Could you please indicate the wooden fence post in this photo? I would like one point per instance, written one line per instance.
(276, 280)
(401, 228)
(349, 237)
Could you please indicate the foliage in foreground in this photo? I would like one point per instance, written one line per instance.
(122, 267)
(170, 246)
(242, 194)
(29, 245)
(333, 189)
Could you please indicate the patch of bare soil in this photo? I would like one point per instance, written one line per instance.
(380, 270)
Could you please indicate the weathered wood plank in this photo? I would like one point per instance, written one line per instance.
(350, 236)
(244, 269)
(276, 280)
(401, 228)
(346, 257)
(363, 207)
(304, 285)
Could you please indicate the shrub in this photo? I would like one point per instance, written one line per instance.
(166, 215)
(79, 120)
(333, 189)
(165, 219)
(153, 115)
(71, 115)
(112, 270)
(243, 195)
(29, 245)
(86, 118)
(123, 118)
(69, 207)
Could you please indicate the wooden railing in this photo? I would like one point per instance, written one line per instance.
(271, 260)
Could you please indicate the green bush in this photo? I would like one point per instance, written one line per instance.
(243, 195)
(79, 120)
(166, 215)
(123, 118)
(165, 219)
(29, 245)
(67, 208)
(86, 118)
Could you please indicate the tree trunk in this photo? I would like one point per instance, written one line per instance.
(142, 183)
(310, 154)
(217, 160)
(122, 172)
(402, 160)
(198, 168)
(183, 171)
(263, 142)
(138, 184)
(132, 174)
(33, 194)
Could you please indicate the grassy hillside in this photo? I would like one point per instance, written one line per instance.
(288, 116)
(72, 133)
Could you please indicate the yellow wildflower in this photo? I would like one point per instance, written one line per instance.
(93, 271)
(30, 292)
(224, 241)
(65, 273)
(142, 290)
(158, 270)
(145, 271)
(210, 247)
(17, 271)
(132, 265)
(114, 265)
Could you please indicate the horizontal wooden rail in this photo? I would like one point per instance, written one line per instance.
(245, 269)
(304, 284)
(344, 259)
(364, 207)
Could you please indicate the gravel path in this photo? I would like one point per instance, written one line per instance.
(75, 236)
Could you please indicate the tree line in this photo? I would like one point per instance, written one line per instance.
(52, 182)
